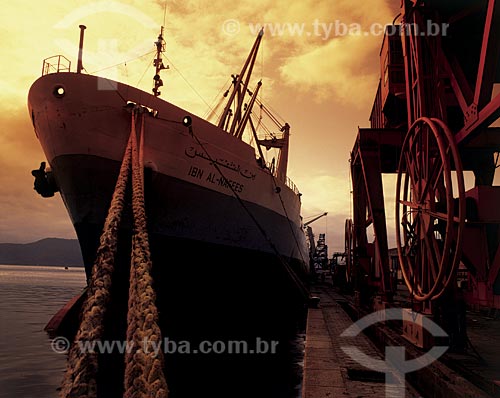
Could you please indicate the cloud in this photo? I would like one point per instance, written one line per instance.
(337, 60)
(324, 192)
(321, 193)
(24, 215)
(334, 70)
(202, 57)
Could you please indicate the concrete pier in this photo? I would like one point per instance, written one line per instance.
(328, 371)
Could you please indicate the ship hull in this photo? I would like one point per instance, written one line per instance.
(228, 248)
(205, 291)
(195, 235)
(216, 216)
(177, 211)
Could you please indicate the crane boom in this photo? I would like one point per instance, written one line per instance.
(315, 218)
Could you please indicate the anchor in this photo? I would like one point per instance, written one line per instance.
(45, 183)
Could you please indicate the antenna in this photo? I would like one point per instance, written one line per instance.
(164, 13)
(158, 63)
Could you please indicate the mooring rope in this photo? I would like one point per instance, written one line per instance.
(80, 377)
(143, 365)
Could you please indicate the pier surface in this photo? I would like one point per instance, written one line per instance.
(330, 372)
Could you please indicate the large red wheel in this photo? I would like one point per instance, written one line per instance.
(348, 250)
(429, 220)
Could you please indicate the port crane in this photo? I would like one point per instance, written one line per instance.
(310, 239)
(314, 219)
(432, 120)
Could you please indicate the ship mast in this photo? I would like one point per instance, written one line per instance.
(240, 87)
(158, 63)
(235, 122)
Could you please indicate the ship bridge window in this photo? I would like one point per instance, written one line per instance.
(59, 91)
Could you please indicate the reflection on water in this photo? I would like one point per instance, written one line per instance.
(29, 296)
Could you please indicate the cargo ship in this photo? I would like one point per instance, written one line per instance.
(225, 228)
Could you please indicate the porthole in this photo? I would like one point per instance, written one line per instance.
(59, 91)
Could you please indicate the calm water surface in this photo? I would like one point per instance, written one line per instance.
(29, 297)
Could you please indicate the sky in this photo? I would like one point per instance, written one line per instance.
(319, 64)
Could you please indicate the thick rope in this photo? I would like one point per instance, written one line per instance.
(80, 377)
(144, 376)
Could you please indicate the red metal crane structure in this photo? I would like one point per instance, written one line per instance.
(430, 123)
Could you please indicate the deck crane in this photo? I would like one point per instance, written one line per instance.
(310, 238)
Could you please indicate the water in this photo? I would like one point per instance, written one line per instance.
(29, 297)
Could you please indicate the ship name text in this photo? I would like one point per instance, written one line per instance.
(215, 178)
(192, 152)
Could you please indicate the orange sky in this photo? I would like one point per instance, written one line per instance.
(322, 82)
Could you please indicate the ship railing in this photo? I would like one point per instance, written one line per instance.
(288, 182)
(56, 64)
(292, 186)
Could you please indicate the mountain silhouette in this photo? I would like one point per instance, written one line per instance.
(48, 251)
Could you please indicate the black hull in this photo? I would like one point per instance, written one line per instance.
(206, 291)
(220, 295)
(178, 211)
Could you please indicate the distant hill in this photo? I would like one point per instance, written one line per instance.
(49, 251)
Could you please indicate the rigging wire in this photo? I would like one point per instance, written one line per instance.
(165, 13)
(112, 87)
(187, 82)
(260, 119)
(126, 72)
(147, 68)
(214, 112)
(288, 218)
(121, 63)
(317, 215)
(326, 228)
(350, 184)
(291, 272)
(213, 108)
(261, 77)
(271, 113)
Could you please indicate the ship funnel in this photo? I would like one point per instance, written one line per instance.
(79, 66)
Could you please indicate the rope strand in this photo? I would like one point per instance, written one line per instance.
(144, 367)
(80, 377)
(144, 377)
